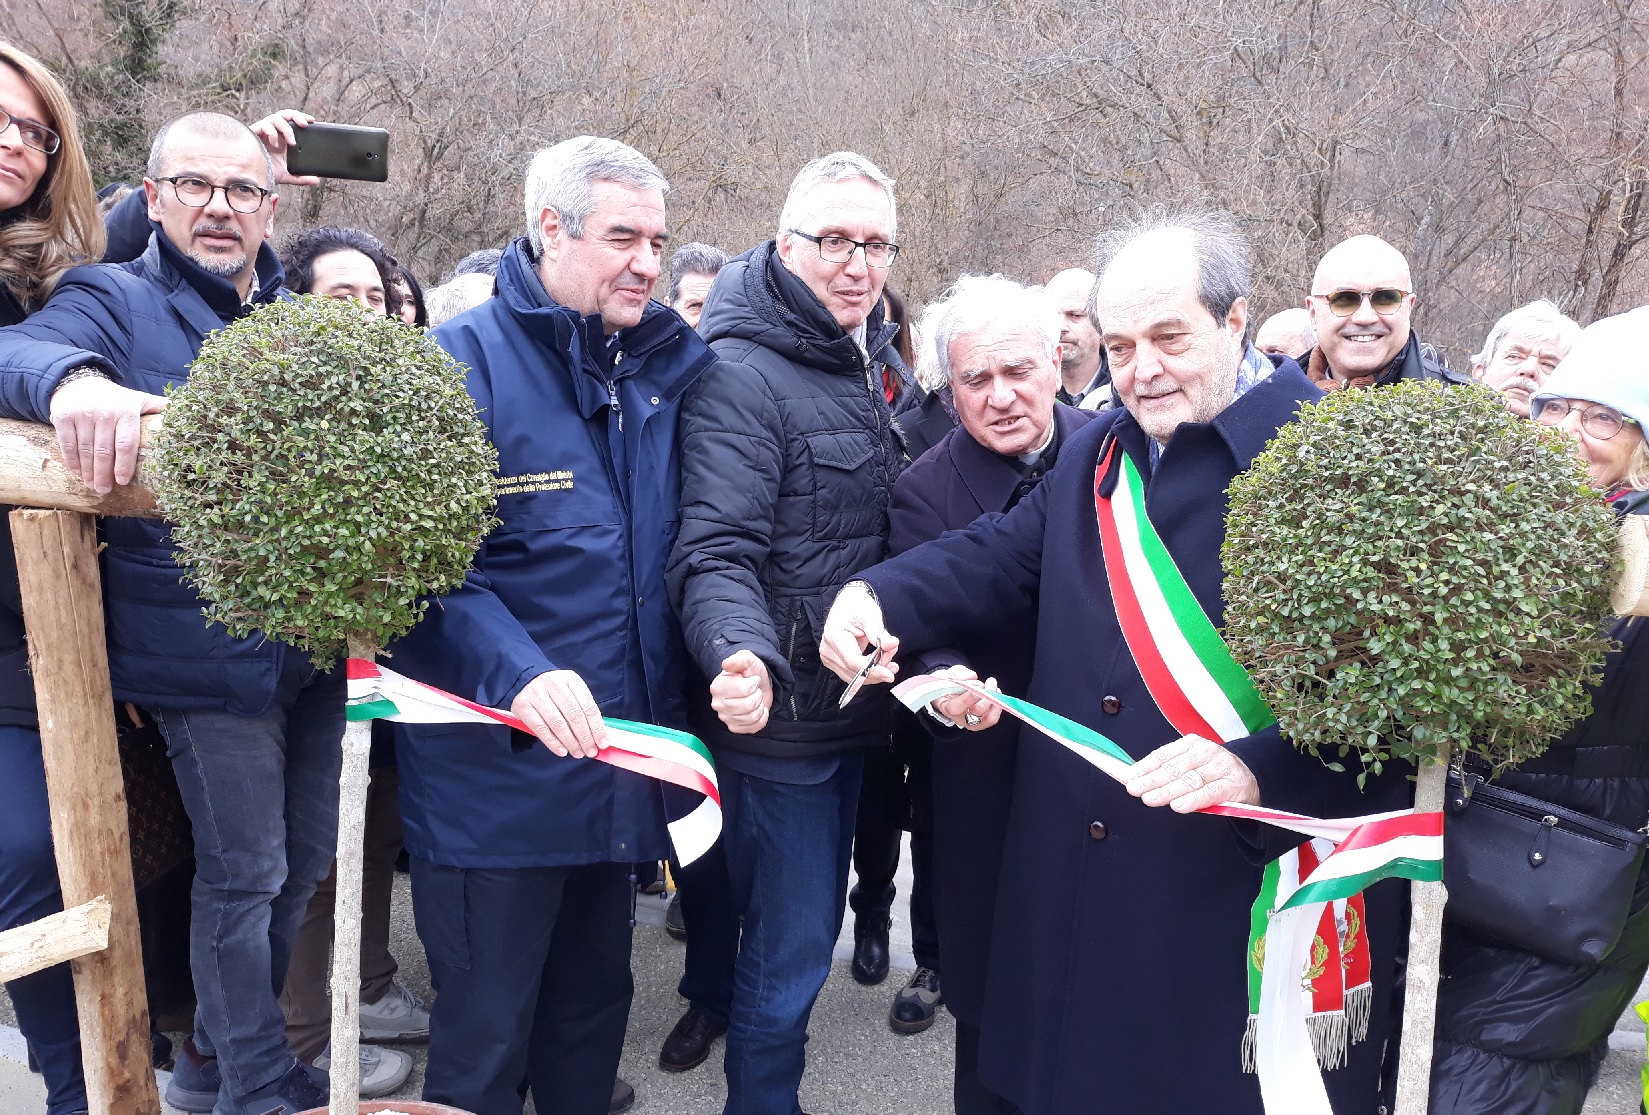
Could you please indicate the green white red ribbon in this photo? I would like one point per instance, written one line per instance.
(376, 693)
(1402, 844)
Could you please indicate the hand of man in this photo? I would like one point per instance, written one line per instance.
(1191, 774)
(964, 709)
(100, 429)
(742, 694)
(561, 712)
(278, 131)
(852, 630)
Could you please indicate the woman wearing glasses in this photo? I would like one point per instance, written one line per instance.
(48, 224)
(1519, 1032)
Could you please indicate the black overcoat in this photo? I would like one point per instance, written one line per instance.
(1117, 981)
(948, 488)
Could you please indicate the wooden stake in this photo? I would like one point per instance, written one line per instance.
(353, 779)
(54, 939)
(63, 615)
(1426, 901)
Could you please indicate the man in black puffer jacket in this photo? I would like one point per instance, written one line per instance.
(788, 452)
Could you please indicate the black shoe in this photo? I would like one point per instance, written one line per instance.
(916, 1003)
(624, 1098)
(870, 948)
(298, 1090)
(689, 1043)
(674, 923)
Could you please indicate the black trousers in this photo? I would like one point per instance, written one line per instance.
(712, 932)
(531, 968)
(889, 802)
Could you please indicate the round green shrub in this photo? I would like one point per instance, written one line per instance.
(1414, 566)
(323, 470)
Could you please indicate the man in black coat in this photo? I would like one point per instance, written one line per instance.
(788, 456)
(1117, 980)
(999, 346)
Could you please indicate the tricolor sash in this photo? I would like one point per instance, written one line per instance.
(376, 693)
(1203, 691)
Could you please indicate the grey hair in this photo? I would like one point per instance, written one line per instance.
(1225, 261)
(456, 296)
(694, 259)
(560, 178)
(839, 166)
(1539, 319)
(927, 371)
(978, 301)
(211, 125)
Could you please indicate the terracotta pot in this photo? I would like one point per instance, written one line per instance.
(410, 1107)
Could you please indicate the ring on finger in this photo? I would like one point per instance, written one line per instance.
(970, 718)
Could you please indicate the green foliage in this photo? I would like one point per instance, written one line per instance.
(1415, 566)
(324, 469)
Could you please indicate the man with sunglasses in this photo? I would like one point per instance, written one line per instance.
(1361, 305)
(788, 456)
(252, 726)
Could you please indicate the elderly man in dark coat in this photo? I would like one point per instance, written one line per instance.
(1117, 971)
(999, 348)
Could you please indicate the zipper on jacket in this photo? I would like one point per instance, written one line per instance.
(612, 400)
(790, 657)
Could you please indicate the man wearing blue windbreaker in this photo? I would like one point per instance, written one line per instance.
(521, 849)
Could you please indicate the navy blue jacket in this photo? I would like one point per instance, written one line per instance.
(572, 578)
(143, 323)
(1105, 904)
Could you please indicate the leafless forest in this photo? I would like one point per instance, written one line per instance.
(1500, 143)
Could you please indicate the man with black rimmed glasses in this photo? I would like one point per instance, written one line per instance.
(251, 726)
(1362, 304)
(788, 455)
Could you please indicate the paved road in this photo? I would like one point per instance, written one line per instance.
(857, 1065)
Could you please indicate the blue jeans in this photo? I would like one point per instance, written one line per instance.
(788, 848)
(262, 796)
(28, 892)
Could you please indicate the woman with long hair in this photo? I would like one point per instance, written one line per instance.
(48, 224)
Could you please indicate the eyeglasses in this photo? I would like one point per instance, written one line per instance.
(1599, 422)
(1344, 303)
(243, 197)
(33, 133)
(840, 249)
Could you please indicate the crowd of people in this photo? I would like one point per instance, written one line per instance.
(722, 512)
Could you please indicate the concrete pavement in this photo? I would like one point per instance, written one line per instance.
(856, 1064)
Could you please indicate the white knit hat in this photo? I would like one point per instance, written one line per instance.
(1608, 364)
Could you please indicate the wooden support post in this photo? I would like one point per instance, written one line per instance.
(1425, 960)
(63, 615)
(54, 939)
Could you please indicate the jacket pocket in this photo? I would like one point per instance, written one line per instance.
(845, 500)
(813, 694)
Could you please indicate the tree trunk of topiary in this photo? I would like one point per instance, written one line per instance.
(1425, 959)
(346, 925)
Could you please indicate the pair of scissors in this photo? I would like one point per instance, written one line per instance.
(853, 686)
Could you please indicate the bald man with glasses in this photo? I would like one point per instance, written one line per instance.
(1362, 307)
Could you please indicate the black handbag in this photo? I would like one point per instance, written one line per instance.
(1535, 875)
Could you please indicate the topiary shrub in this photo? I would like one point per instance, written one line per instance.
(1411, 571)
(1414, 567)
(324, 470)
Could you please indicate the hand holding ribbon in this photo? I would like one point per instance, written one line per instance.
(1191, 774)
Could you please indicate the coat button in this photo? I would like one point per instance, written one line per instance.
(1110, 705)
(655, 400)
(1098, 831)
